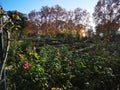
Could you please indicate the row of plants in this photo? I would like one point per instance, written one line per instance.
(61, 37)
(57, 68)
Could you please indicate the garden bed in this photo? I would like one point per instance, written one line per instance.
(78, 66)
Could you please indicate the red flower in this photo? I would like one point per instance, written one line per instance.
(20, 55)
(16, 12)
(25, 65)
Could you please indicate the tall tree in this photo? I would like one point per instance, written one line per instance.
(55, 18)
(58, 15)
(35, 19)
(81, 18)
(107, 16)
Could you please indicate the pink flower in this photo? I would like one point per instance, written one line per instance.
(25, 65)
(20, 55)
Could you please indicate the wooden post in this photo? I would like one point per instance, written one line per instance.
(2, 73)
(1, 42)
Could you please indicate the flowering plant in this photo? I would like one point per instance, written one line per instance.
(58, 68)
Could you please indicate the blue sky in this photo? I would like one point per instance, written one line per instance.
(26, 6)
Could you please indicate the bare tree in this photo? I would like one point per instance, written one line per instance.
(81, 19)
(107, 16)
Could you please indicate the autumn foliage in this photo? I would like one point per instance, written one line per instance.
(56, 19)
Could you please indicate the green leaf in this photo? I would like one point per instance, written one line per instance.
(18, 18)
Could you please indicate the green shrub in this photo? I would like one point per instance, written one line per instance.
(57, 67)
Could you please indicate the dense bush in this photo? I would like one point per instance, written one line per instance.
(59, 68)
